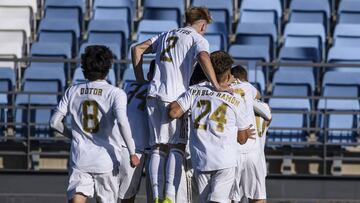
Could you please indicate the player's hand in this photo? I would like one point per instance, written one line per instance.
(224, 88)
(134, 160)
(251, 133)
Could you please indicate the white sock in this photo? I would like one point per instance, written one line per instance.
(157, 173)
(173, 172)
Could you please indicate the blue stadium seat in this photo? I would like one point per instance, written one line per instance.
(52, 49)
(221, 11)
(257, 78)
(69, 9)
(337, 90)
(295, 75)
(249, 52)
(130, 76)
(257, 34)
(316, 11)
(349, 12)
(36, 118)
(347, 35)
(78, 76)
(344, 55)
(302, 54)
(292, 118)
(216, 33)
(60, 31)
(150, 28)
(340, 126)
(114, 10)
(7, 83)
(46, 71)
(305, 35)
(258, 10)
(164, 10)
(109, 32)
(336, 77)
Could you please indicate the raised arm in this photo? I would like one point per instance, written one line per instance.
(175, 110)
(137, 53)
(262, 109)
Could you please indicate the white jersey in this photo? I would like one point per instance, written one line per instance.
(248, 93)
(94, 108)
(261, 110)
(216, 118)
(176, 53)
(138, 117)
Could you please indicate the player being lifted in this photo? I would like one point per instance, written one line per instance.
(218, 121)
(138, 118)
(250, 180)
(176, 52)
(96, 108)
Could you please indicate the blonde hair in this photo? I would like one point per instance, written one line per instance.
(197, 13)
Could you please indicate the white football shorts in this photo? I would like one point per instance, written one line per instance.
(130, 178)
(104, 186)
(250, 177)
(163, 130)
(215, 185)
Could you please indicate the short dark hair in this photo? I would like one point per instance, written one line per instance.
(194, 14)
(240, 73)
(221, 62)
(198, 75)
(96, 62)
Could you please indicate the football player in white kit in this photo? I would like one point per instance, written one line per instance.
(138, 119)
(176, 52)
(219, 120)
(96, 108)
(251, 171)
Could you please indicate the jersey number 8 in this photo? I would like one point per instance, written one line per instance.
(90, 116)
(218, 115)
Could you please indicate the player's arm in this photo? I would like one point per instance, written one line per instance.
(124, 126)
(245, 129)
(180, 106)
(137, 53)
(262, 109)
(56, 120)
(206, 65)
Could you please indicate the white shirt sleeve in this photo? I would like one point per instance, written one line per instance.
(201, 45)
(253, 90)
(185, 100)
(63, 106)
(242, 117)
(119, 108)
(262, 109)
(155, 42)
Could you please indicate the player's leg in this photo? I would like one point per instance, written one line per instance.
(107, 186)
(237, 193)
(157, 166)
(221, 184)
(78, 198)
(130, 178)
(174, 169)
(203, 183)
(81, 186)
(254, 178)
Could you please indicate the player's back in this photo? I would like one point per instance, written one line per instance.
(92, 106)
(136, 111)
(176, 53)
(248, 93)
(215, 122)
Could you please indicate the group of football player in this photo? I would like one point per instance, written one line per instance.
(196, 125)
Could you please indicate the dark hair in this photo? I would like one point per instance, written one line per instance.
(221, 62)
(96, 62)
(198, 75)
(194, 14)
(240, 73)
